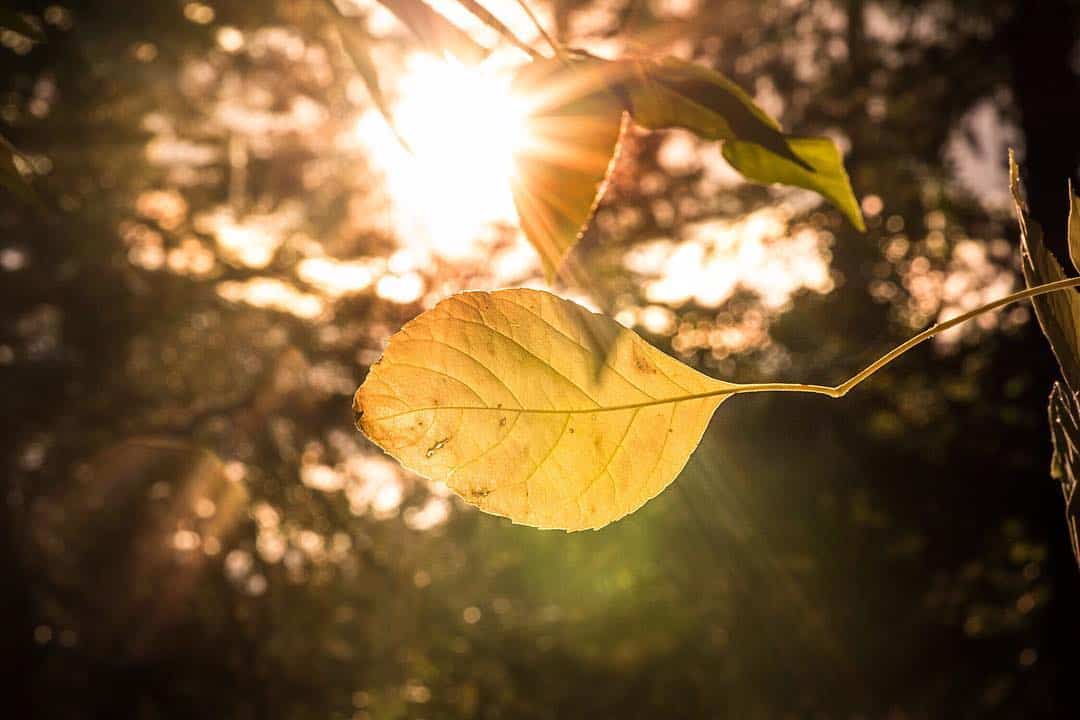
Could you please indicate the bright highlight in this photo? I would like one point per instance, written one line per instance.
(463, 126)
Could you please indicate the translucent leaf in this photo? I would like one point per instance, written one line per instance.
(1059, 312)
(436, 33)
(669, 93)
(571, 144)
(1065, 432)
(828, 177)
(531, 407)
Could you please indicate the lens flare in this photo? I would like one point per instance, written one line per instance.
(463, 125)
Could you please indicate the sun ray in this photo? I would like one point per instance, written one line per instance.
(464, 126)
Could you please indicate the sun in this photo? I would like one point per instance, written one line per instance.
(462, 125)
(460, 121)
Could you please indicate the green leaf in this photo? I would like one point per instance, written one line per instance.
(1064, 414)
(14, 21)
(828, 177)
(1059, 312)
(561, 171)
(531, 407)
(437, 34)
(669, 93)
(1074, 228)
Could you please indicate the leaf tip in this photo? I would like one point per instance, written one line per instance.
(855, 217)
(1014, 179)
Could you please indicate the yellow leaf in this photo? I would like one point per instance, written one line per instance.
(531, 407)
(572, 141)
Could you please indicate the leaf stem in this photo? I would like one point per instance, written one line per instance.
(556, 48)
(837, 391)
(485, 16)
(848, 385)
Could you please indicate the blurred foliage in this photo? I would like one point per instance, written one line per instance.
(193, 527)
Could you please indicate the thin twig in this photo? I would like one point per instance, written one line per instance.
(837, 391)
(482, 13)
(556, 48)
(846, 386)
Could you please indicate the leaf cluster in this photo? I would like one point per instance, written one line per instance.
(578, 123)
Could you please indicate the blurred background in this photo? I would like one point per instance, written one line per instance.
(228, 234)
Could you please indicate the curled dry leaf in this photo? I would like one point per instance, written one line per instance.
(531, 407)
(1058, 313)
(1064, 414)
(1059, 317)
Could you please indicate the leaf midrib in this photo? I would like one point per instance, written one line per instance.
(577, 411)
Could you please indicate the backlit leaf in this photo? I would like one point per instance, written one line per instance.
(436, 33)
(533, 408)
(669, 93)
(1059, 312)
(572, 141)
(828, 177)
(1065, 432)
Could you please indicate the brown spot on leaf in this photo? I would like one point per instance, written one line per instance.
(439, 445)
(474, 494)
(642, 363)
